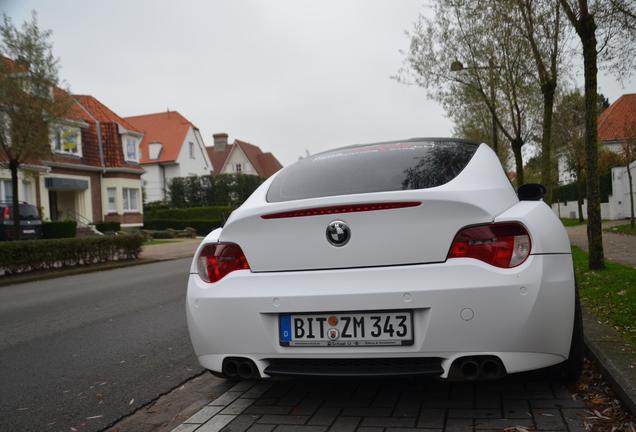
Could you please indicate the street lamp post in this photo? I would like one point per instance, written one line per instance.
(457, 66)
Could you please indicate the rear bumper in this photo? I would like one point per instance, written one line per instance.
(523, 316)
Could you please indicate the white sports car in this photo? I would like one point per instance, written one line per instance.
(411, 257)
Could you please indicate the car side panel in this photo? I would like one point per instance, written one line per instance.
(547, 233)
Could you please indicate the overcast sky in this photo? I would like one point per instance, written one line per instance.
(287, 75)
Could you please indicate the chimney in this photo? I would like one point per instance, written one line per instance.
(220, 141)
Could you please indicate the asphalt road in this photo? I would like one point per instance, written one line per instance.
(82, 351)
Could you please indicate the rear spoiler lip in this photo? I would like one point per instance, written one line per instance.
(341, 208)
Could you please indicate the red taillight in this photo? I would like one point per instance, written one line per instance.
(6, 213)
(504, 245)
(352, 208)
(218, 259)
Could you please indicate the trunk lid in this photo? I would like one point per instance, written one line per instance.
(421, 232)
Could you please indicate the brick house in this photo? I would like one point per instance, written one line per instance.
(92, 173)
(241, 158)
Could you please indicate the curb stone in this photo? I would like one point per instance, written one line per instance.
(615, 357)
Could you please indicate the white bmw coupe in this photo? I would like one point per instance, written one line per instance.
(411, 257)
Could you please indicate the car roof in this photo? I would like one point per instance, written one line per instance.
(417, 139)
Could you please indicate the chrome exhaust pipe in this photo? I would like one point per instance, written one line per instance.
(490, 369)
(246, 369)
(470, 370)
(230, 368)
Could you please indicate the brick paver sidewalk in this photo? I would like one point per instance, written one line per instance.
(175, 249)
(389, 405)
(620, 248)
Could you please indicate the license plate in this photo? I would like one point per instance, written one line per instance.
(346, 329)
(29, 231)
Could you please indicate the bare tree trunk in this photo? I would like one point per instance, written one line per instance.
(13, 167)
(594, 228)
(495, 138)
(631, 195)
(548, 90)
(516, 150)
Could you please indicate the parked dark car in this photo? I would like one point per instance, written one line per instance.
(30, 222)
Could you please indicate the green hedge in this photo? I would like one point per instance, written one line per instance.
(108, 227)
(192, 213)
(199, 191)
(32, 255)
(568, 192)
(202, 226)
(59, 229)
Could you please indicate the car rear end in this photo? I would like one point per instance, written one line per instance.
(30, 222)
(411, 257)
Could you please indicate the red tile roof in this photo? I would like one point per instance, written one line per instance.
(102, 113)
(618, 121)
(265, 164)
(168, 128)
(112, 145)
(218, 157)
(88, 109)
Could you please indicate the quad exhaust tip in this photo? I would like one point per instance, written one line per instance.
(240, 368)
(477, 368)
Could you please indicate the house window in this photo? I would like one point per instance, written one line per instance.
(131, 200)
(191, 146)
(67, 140)
(238, 168)
(112, 200)
(26, 191)
(6, 191)
(132, 153)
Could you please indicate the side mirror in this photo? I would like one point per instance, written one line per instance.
(531, 192)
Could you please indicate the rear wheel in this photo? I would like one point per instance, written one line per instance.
(570, 370)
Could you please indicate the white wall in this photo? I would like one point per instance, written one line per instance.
(570, 210)
(618, 205)
(565, 176)
(185, 166)
(200, 164)
(153, 183)
(26, 185)
(619, 200)
(238, 156)
(83, 198)
(119, 184)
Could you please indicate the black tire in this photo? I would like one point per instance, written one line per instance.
(570, 370)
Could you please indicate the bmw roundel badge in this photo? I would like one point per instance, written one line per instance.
(338, 233)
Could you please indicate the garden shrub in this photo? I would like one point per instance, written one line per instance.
(211, 212)
(59, 229)
(202, 226)
(31, 255)
(108, 226)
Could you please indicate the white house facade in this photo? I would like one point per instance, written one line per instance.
(172, 147)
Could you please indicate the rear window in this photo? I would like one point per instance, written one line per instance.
(27, 211)
(372, 168)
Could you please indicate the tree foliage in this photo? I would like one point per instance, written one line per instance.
(613, 24)
(494, 59)
(30, 100)
(542, 25)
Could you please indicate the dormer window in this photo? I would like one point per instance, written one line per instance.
(66, 140)
(131, 148)
(154, 150)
